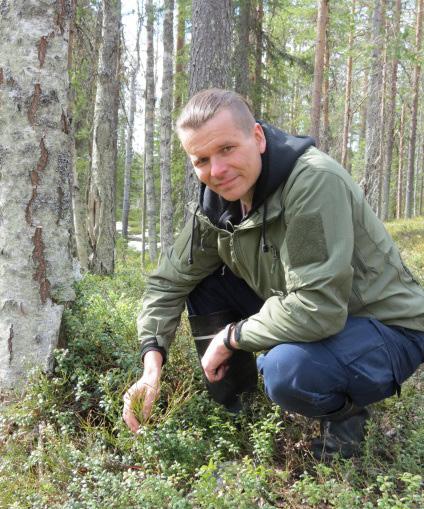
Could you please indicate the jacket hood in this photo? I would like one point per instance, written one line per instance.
(278, 160)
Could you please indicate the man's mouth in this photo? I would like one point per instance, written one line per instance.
(226, 182)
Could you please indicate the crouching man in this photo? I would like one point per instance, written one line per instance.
(282, 256)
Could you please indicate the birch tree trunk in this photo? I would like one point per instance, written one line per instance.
(409, 195)
(130, 132)
(101, 195)
(35, 197)
(166, 208)
(390, 119)
(210, 60)
(322, 21)
(347, 117)
(150, 194)
(373, 134)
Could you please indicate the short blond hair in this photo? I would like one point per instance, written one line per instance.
(207, 103)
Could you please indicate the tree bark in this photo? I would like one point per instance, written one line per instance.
(36, 274)
(390, 119)
(257, 87)
(101, 196)
(326, 135)
(210, 59)
(149, 135)
(409, 195)
(347, 117)
(383, 129)
(373, 135)
(130, 132)
(166, 208)
(78, 206)
(242, 83)
(322, 21)
(180, 71)
(399, 193)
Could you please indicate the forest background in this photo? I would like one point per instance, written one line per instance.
(116, 75)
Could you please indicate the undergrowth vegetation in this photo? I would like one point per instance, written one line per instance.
(63, 442)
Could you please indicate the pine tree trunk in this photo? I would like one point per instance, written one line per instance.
(130, 132)
(36, 274)
(373, 135)
(322, 21)
(149, 136)
(409, 195)
(242, 52)
(399, 193)
(78, 206)
(210, 59)
(326, 135)
(347, 117)
(101, 196)
(383, 124)
(166, 208)
(257, 88)
(390, 122)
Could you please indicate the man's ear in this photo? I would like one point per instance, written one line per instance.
(260, 137)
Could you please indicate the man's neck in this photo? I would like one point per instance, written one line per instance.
(245, 208)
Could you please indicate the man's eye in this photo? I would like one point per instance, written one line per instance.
(200, 162)
(227, 149)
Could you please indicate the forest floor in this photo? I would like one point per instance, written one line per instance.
(63, 443)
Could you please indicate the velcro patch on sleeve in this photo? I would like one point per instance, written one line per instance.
(305, 239)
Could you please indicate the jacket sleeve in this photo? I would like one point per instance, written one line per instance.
(169, 285)
(316, 256)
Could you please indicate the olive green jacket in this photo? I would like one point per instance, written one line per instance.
(329, 257)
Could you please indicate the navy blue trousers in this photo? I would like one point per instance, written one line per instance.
(367, 361)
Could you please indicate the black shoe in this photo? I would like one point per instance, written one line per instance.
(342, 433)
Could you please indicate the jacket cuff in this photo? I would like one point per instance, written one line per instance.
(237, 330)
(151, 344)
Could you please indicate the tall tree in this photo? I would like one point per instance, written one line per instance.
(390, 115)
(149, 179)
(180, 67)
(373, 124)
(210, 58)
(242, 82)
(135, 67)
(257, 83)
(35, 199)
(347, 118)
(166, 209)
(322, 21)
(409, 195)
(101, 196)
(399, 193)
(326, 134)
(78, 206)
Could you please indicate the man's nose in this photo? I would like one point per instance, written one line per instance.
(218, 167)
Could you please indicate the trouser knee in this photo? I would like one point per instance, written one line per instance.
(300, 382)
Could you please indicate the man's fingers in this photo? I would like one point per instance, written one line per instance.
(143, 392)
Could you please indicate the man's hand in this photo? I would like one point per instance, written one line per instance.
(215, 361)
(145, 390)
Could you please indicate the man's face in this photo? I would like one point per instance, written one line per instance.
(226, 158)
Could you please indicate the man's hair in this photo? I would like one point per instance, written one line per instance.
(207, 103)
